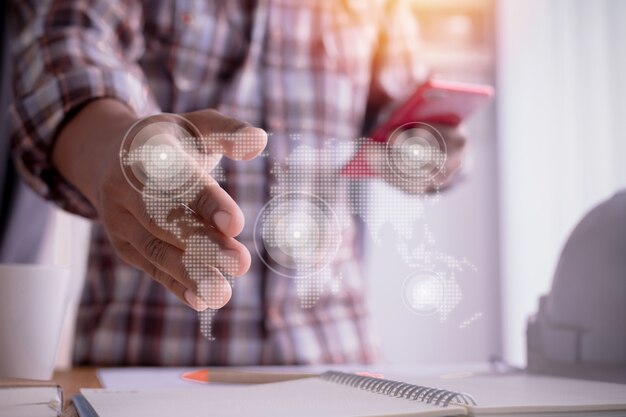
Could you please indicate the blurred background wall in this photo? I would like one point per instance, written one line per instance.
(561, 108)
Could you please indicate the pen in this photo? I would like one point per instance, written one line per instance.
(233, 376)
(224, 376)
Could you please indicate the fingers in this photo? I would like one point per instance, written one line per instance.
(193, 274)
(413, 179)
(454, 136)
(208, 247)
(216, 207)
(162, 161)
(184, 243)
(212, 288)
(133, 257)
(156, 223)
(211, 205)
(235, 139)
(456, 147)
(454, 163)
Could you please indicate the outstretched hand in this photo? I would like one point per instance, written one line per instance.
(156, 235)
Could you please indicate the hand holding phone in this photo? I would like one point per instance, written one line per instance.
(434, 102)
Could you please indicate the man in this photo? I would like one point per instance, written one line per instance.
(87, 71)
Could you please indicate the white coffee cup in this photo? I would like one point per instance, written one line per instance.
(33, 300)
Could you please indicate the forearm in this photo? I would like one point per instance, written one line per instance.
(82, 146)
(69, 37)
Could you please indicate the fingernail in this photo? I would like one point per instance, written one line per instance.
(194, 301)
(215, 292)
(222, 220)
(224, 297)
(251, 130)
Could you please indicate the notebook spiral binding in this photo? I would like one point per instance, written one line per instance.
(398, 389)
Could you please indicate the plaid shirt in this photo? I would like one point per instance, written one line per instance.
(315, 68)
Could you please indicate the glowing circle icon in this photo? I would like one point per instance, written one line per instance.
(297, 234)
(424, 293)
(416, 152)
(163, 156)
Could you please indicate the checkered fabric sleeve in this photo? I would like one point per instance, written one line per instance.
(65, 54)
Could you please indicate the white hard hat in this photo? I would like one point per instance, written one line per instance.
(580, 329)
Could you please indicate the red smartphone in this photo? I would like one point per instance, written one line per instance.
(435, 101)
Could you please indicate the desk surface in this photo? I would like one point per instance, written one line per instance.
(72, 381)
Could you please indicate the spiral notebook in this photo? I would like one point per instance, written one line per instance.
(337, 394)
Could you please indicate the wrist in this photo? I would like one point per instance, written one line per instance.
(89, 144)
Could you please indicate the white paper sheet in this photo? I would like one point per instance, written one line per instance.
(310, 397)
(145, 378)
